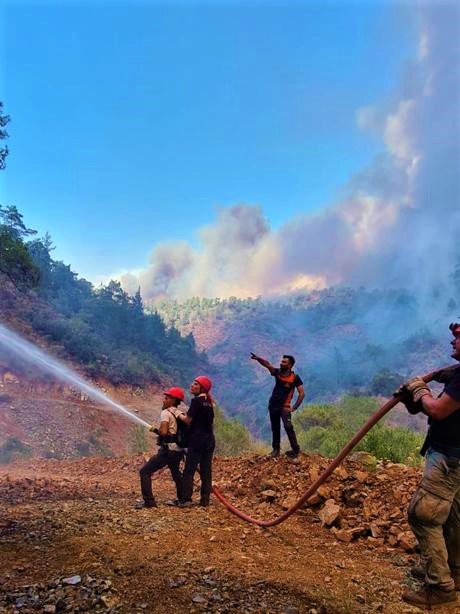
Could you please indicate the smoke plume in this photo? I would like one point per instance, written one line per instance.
(395, 224)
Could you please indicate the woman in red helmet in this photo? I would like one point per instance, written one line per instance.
(201, 445)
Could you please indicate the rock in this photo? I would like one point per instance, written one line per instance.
(324, 491)
(267, 484)
(314, 500)
(175, 583)
(329, 513)
(269, 495)
(367, 460)
(407, 541)
(341, 473)
(199, 599)
(344, 535)
(288, 502)
(49, 609)
(72, 580)
(375, 530)
(361, 476)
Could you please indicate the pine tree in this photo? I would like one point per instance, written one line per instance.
(4, 119)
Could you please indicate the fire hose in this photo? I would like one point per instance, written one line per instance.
(378, 415)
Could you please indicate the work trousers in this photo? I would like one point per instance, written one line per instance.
(203, 458)
(434, 516)
(164, 458)
(276, 415)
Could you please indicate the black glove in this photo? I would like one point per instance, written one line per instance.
(406, 398)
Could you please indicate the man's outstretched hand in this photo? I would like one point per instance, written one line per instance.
(254, 356)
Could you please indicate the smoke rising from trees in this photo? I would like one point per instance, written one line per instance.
(395, 224)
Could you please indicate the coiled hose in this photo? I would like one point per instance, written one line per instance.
(378, 415)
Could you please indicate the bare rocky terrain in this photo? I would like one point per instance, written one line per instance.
(71, 541)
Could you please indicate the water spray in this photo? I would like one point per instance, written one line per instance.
(32, 354)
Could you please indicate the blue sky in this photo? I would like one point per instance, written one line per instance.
(132, 122)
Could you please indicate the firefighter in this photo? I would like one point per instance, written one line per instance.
(434, 511)
(279, 405)
(201, 444)
(169, 453)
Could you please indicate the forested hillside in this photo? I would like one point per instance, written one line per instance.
(103, 329)
(345, 340)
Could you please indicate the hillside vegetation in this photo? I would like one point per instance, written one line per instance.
(104, 329)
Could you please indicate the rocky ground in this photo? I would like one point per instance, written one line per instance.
(71, 541)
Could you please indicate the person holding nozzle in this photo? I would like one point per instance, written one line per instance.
(201, 442)
(434, 511)
(169, 453)
(279, 405)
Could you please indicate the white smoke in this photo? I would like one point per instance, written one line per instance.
(396, 224)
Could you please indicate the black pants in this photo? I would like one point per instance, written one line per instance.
(276, 415)
(164, 458)
(203, 458)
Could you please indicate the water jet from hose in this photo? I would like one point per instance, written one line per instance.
(32, 354)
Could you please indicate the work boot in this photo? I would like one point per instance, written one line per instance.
(418, 572)
(429, 596)
(140, 505)
(456, 577)
(292, 453)
(204, 502)
(173, 502)
(275, 452)
(186, 504)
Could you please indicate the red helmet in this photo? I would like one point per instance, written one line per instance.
(176, 393)
(204, 382)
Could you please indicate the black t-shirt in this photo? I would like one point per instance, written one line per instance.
(285, 385)
(201, 428)
(447, 431)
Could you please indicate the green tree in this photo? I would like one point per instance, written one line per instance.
(385, 382)
(232, 438)
(4, 120)
(13, 220)
(138, 442)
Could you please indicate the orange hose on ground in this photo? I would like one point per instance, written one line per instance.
(378, 415)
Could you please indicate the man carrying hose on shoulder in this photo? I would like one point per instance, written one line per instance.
(279, 405)
(434, 511)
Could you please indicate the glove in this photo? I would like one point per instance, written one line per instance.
(406, 399)
(154, 429)
(417, 387)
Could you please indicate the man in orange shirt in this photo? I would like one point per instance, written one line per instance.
(279, 405)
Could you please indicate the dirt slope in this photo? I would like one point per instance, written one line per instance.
(54, 420)
(71, 541)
